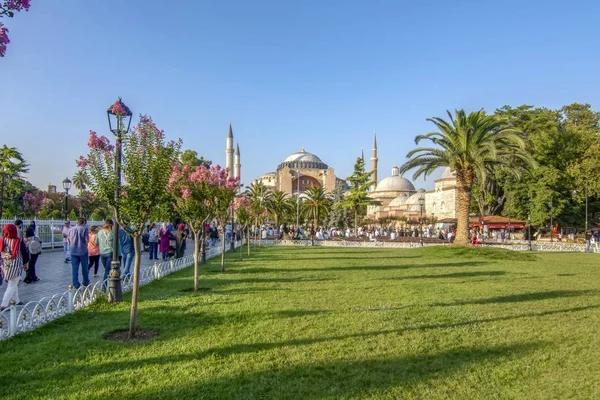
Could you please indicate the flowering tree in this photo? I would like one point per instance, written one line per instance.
(34, 202)
(222, 202)
(146, 168)
(8, 9)
(194, 190)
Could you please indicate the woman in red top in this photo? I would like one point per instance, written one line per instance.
(14, 260)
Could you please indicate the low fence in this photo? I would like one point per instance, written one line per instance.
(19, 319)
(48, 230)
(535, 246)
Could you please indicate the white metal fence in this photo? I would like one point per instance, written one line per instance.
(18, 319)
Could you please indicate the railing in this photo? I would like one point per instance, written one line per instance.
(535, 246)
(48, 230)
(19, 319)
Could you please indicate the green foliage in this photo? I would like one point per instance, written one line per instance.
(278, 205)
(190, 158)
(55, 214)
(72, 215)
(12, 168)
(316, 204)
(259, 200)
(357, 199)
(339, 217)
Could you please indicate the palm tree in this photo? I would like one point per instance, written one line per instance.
(470, 145)
(12, 166)
(81, 180)
(259, 197)
(278, 204)
(316, 204)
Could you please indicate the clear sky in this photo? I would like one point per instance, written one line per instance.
(287, 74)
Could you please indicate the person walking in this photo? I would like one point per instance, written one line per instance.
(127, 252)
(15, 259)
(34, 245)
(65, 235)
(165, 236)
(180, 241)
(153, 240)
(78, 246)
(93, 251)
(104, 240)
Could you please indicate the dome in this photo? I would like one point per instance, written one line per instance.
(395, 183)
(399, 201)
(303, 159)
(449, 174)
(414, 199)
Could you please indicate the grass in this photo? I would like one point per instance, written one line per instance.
(327, 323)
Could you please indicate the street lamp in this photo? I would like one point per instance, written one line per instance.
(119, 121)
(66, 185)
(421, 206)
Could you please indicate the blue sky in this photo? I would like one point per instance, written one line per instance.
(318, 74)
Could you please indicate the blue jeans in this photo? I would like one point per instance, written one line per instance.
(76, 261)
(105, 260)
(126, 262)
(66, 250)
(154, 250)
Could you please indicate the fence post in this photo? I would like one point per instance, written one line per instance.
(155, 269)
(13, 319)
(70, 305)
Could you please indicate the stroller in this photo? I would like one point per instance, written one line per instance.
(145, 242)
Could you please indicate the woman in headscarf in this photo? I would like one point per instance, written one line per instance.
(180, 241)
(165, 241)
(14, 260)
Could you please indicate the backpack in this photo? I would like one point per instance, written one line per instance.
(35, 245)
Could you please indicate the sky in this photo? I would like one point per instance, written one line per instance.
(286, 74)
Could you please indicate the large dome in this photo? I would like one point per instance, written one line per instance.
(395, 183)
(303, 159)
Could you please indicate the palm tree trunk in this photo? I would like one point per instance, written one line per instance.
(464, 181)
(135, 290)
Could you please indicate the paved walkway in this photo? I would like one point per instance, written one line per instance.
(55, 276)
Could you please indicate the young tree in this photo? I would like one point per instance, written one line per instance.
(222, 204)
(8, 9)
(259, 197)
(244, 216)
(146, 167)
(278, 205)
(80, 180)
(357, 199)
(470, 145)
(194, 190)
(190, 158)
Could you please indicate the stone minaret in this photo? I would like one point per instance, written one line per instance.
(374, 160)
(229, 153)
(237, 166)
(362, 155)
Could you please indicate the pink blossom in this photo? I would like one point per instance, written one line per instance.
(4, 40)
(118, 109)
(100, 143)
(187, 193)
(17, 5)
(82, 162)
(207, 203)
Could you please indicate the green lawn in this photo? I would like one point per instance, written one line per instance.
(327, 323)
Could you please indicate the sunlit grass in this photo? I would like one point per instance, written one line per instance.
(327, 323)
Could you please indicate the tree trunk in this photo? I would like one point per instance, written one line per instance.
(248, 238)
(136, 287)
(223, 251)
(196, 246)
(356, 222)
(464, 181)
(203, 246)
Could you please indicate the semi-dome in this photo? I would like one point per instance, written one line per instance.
(399, 201)
(414, 199)
(303, 159)
(449, 174)
(395, 183)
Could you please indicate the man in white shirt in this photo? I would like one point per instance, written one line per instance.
(65, 235)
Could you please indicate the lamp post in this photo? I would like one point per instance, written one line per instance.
(421, 206)
(66, 185)
(119, 121)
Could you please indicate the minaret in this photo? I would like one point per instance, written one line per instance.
(237, 166)
(362, 155)
(229, 153)
(374, 160)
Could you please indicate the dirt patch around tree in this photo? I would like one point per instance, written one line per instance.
(141, 335)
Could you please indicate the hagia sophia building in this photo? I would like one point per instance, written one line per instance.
(397, 195)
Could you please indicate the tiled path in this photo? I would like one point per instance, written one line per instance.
(55, 276)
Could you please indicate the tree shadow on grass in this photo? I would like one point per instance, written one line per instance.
(360, 267)
(453, 275)
(522, 297)
(347, 378)
(45, 375)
